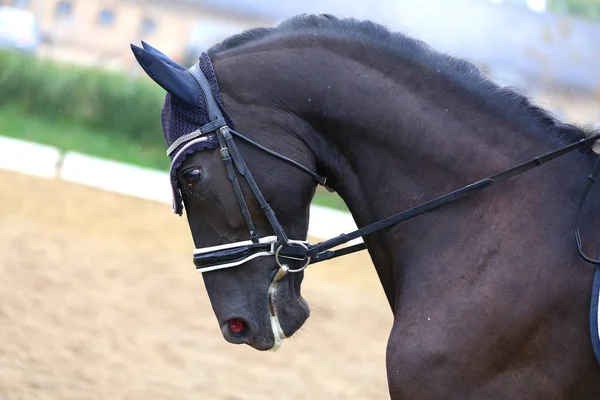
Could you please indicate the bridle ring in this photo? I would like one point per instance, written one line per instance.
(285, 266)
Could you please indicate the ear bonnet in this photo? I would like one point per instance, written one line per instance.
(192, 111)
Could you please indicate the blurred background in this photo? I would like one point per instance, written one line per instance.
(75, 65)
(98, 296)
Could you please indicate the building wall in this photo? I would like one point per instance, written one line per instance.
(82, 31)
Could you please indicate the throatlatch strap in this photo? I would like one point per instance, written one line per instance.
(321, 180)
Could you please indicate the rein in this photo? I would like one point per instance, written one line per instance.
(279, 246)
(321, 251)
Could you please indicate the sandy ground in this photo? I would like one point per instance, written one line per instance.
(99, 300)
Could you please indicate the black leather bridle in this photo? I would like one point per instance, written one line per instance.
(280, 246)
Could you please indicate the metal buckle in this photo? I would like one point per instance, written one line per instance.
(285, 267)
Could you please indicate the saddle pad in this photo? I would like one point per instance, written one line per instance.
(595, 314)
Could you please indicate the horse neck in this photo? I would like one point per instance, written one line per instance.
(389, 136)
(390, 140)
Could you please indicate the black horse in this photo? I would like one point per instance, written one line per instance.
(489, 295)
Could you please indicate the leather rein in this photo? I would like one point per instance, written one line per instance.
(280, 246)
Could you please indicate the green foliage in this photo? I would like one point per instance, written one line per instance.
(111, 102)
(582, 8)
(68, 135)
(83, 109)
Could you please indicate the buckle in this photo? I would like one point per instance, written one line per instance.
(292, 255)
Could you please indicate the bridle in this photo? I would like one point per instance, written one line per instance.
(280, 246)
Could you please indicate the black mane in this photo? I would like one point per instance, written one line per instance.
(505, 100)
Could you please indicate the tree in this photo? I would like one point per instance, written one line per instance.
(582, 8)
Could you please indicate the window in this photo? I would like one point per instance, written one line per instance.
(106, 17)
(20, 3)
(148, 26)
(63, 9)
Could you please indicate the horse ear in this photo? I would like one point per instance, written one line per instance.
(162, 56)
(179, 83)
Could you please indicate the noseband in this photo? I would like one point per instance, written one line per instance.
(279, 246)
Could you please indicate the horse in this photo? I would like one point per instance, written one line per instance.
(489, 296)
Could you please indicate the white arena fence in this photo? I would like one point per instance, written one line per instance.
(49, 162)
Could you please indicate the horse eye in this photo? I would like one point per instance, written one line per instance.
(193, 177)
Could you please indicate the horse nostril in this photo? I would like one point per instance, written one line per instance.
(237, 326)
(236, 331)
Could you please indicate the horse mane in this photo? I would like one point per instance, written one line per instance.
(505, 101)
